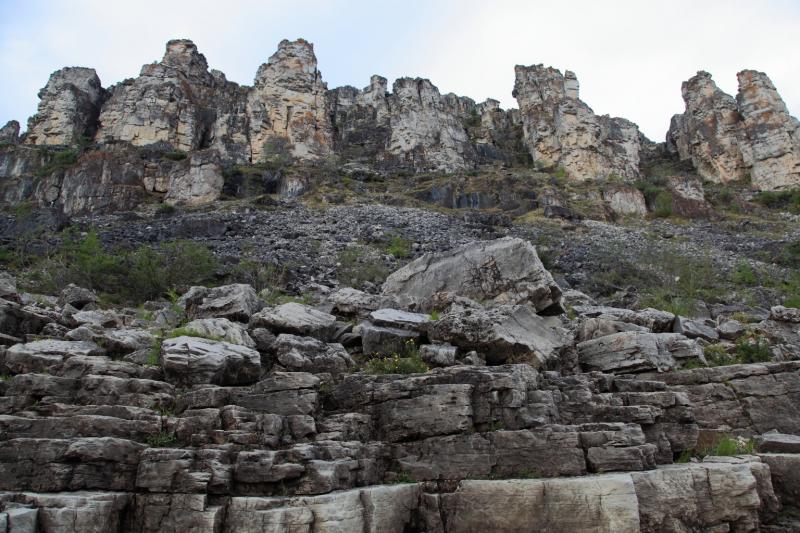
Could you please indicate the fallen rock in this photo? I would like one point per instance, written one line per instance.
(635, 351)
(507, 333)
(785, 314)
(77, 296)
(307, 354)
(223, 329)
(235, 302)
(504, 270)
(297, 319)
(192, 360)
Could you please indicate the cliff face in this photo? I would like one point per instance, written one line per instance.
(561, 130)
(179, 106)
(749, 137)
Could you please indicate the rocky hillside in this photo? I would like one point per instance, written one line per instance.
(289, 308)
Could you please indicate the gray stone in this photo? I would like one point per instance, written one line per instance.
(504, 270)
(222, 328)
(399, 319)
(297, 319)
(438, 354)
(235, 302)
(785, 314)
(192, 360)
(307, 354)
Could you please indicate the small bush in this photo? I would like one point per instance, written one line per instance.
(399, 247)
(407, 363)
(753, 349)
(154, 355)
(261, 275)
(280, 298)
(165, 209)
(162, 440)
(356, 267)
(662, 205)
(744, 275)
(784, 200)
(434, 315)
(401, 477)
(175, 155)
(169, 266)
(726, 446)
(61, 161)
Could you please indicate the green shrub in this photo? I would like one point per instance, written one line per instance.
(357, 267)
(789, 255)
(280, 298)
(154, 355)
(560, 173)
(726, 446)
(753, 349)
(261, 275)
(173, 265)
(744, 275)
(399, 247)
(396, 365)
(434, 315)
(60, 161)
(175, 155)
(165, 209)
(473, 121)
(162, 440)
(662, 205)
(401, 477)
(786, 200)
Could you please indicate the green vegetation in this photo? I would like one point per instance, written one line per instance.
(434, 315)
(5, 377)
(409, 362)
(473, 121)
(721, 446)
(743, 274)
(788, 200)
(132, 276)
(748, 349)
(680, 282)
(154, 355)
(61, 160)
(280, 298)
(165, 209)
(175, 155)
(162, 440)
(400, 478)
(261, 275)
(356, 267)
(662, 205)
(399, 247)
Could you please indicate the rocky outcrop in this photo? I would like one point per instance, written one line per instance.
(171, 101)
(68, 108)
(562, 131)
(287, 109)
(505, 270)
(751, 137)
(9, 134)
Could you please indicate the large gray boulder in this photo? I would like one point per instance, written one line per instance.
(193, 360)
(307, 354)
(235, 302)
(223, 329)
(506, 270)
(636, 351)
(297, 319)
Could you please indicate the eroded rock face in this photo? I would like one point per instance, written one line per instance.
(9, 134)
(170, 101)
(69, 107)
(562, 131)
(749, 137)
(287, 108)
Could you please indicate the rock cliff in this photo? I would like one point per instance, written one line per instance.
(751, 137)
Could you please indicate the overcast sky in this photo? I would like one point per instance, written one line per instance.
(630, 56)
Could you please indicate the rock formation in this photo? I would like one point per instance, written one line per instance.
(9, 134)
(751, 137)
(69, 107)
(562, 131)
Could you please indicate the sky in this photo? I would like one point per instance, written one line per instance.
(630, 56)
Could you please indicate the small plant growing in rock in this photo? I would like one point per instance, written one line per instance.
(744, 275)
(4, 377)
(435, 316)
(400, 478)
(175, 155)
(165, 209)
(717, 355)
(399, 247)
(753, 349)
(188, 332)
(726, 446)
(162, 440)
(409, 363)
(154, 355)
(662, 205)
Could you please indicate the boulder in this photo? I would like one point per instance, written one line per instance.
(653, 319)
(221, 328)
(785, 314)
(438, 354)
(507, 333)
(235, 302)
(395, 318)
(297, 319)
(506, 270)
(696, 329)
(192, 360)
(77, 296)
(625, 200)
(38, 356)
(636, 351)
(307, 354)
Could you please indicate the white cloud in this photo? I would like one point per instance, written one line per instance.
(630, 56)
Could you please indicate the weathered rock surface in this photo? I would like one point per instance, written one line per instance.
(749, 137)
(235, 302)
(505, 270)
(562, 131)
(69, 107)
(193, 360)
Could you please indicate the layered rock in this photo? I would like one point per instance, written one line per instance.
(9, 134)
(286, 108)
(68, 108)
(562, 131)
(750, 137)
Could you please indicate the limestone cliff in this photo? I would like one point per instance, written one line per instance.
(749, 137)
(562, 131)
